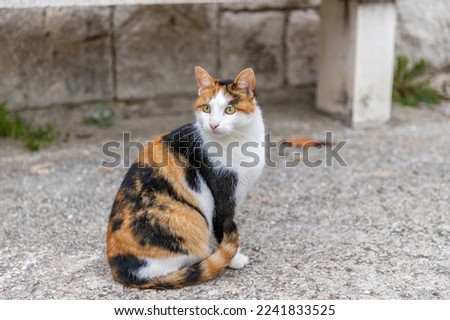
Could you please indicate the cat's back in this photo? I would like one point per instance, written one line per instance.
(153, 206)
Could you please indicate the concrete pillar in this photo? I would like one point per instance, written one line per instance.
(356, 60)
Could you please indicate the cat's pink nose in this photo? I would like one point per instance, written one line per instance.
(213, 125)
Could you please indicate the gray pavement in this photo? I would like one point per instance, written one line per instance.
(377, 229)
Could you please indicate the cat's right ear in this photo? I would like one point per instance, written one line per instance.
(204, 80)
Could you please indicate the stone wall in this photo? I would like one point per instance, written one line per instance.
(55, 56)
(143, 56)
(423, 31)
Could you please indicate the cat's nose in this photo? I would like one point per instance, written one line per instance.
(213, 125)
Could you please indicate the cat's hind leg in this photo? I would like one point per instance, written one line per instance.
(239, 261)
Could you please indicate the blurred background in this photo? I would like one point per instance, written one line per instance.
(60, 62)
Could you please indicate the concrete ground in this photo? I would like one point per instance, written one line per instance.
(377, 229)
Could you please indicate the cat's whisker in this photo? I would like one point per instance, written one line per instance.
(239, 134)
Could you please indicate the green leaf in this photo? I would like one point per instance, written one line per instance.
(32, 137)
(427, 95)
(5, 126)
(400, 69)
(407, 89)
(418, 69)
(32, 144)
(408, 99)
(18, 128)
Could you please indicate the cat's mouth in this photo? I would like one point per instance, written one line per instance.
(216, 131)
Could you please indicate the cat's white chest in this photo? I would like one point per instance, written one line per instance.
(247, 160)
(242, 152)
(248, 171)
(247, 168)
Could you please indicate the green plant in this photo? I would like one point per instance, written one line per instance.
(33, 138)
(101, 116)
(409, 89)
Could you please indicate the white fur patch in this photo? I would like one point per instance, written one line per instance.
(206, 201)
(235, 131)
(218, 102)
(239, 261)
(159, 267)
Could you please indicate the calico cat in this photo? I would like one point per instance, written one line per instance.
(171, 224)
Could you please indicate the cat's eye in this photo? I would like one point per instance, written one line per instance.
(230, 110)
(206, 108)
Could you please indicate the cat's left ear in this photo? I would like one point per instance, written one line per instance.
(204, 80)
(246, 81)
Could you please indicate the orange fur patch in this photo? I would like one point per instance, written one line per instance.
(187, 223)
(179, 217)
(245, 103)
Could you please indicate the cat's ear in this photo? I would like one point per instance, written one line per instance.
(246, 81)
(204, 80)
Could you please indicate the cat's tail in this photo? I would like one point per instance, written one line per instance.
(204, 270)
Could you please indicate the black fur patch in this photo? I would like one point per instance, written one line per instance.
(132, 174)
(193, 274)
(152, 184)
(225, 82)
(187, 142)
(128, 185)
(126, 267)
(222, 184)
(116, 224)
(114, 210)
(192, 178)
(162, 207)
(164, 286)
(234, 101)
(229, 226)
(151, 232)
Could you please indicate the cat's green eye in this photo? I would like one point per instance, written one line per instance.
(206, 108)
(230, 110)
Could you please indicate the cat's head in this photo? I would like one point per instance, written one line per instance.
(225, 107)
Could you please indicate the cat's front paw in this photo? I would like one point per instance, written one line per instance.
(239, 261)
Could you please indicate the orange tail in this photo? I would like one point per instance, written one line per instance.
(300, 142)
